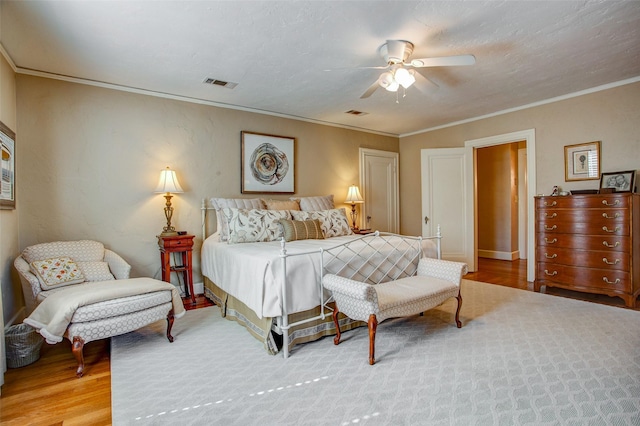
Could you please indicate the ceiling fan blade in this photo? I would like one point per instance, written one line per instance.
(444, 61)
(424, 83)
(370, 90)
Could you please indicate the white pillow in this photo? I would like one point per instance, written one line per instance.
(247, 226)
(56, 272)
(96, 271)
(237, 203)
(333, 222)
(310, 204)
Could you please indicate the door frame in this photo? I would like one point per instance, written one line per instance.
(529, 136)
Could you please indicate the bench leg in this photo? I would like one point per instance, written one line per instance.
(76, 349)
(373, 325)
(459, 297)
(170, 318)
(336, 339)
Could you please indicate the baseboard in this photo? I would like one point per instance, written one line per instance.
(500, 255)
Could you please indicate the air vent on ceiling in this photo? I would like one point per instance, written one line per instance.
(354, 112)
(213, 81)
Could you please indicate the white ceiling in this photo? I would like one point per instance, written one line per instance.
(279, 52)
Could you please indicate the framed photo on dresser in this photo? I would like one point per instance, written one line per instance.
(618, 181)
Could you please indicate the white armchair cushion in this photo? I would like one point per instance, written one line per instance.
(96, 271)
(56, 272)
(79, 251)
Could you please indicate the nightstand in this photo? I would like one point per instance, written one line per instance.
(182, 244)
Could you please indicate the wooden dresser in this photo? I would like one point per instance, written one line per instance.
(589, 243)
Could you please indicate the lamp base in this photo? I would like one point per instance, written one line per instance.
(168, 234)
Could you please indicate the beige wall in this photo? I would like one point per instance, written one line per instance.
(90, 158)
(610, 116)
(9, 290)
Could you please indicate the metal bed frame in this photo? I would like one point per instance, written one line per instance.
(368, 261)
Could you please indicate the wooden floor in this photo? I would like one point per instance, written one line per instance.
(47, 392)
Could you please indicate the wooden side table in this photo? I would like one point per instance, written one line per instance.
(182, 244)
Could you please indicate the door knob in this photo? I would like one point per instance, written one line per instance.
(426, 220)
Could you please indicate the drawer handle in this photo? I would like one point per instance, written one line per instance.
(550, 228)
(551, 274)
(616, 229)
(615, 216)
(555, 240)
(553, 203)
(606, 203)
(605, 260)
(553, 256)
(551, 216)
(606, 244)
(606, 280)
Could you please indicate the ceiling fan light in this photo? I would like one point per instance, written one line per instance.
(385, 79)
(404, 77)
(393, 87)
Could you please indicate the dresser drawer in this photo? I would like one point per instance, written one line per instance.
(596, 227)
(584, 278)
(584, 242)
(588, 259)
(585, 215)
(584, 202)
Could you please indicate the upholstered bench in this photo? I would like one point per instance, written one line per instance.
(81, 291)
(435, 281)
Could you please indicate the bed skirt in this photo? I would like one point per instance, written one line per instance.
(262, 328)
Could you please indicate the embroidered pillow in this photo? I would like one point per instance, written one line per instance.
(56, 272)
(310, 204)
(95, 271)
(301, 229)
(247, 226)
(237, 203)
(282, 205)
(333, 222)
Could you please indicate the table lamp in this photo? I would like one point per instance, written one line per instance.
(353, 198)
(168, 184)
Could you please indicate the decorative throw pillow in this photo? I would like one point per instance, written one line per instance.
(334, 222)
(237, 203)
(246, 226)
(301, 229)
(56, 272)
(282, 205)
(310, 204)
(95, 271)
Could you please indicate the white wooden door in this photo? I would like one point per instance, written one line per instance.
(445, 202)
(379, 185)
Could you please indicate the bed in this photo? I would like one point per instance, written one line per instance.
(271, 283)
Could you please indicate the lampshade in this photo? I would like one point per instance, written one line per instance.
(168, 182)
(353, 196)
(392, 80)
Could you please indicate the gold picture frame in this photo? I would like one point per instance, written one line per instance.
(582, 161)
(8, 166)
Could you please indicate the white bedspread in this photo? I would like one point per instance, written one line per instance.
(252, 272)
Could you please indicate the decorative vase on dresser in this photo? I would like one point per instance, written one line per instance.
(589, 243)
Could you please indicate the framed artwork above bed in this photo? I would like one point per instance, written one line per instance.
(268, 164)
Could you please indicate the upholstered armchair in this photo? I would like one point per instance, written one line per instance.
(81, 291)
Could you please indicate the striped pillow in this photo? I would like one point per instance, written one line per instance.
(301, 229)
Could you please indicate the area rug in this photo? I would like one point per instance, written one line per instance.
(520, 358)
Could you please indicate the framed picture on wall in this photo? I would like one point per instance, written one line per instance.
(267, 163)
(8, 148)
(618, 181)
(582, 161)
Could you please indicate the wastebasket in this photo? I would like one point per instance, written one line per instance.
(22, 345)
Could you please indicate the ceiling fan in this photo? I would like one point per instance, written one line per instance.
(400, 70)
